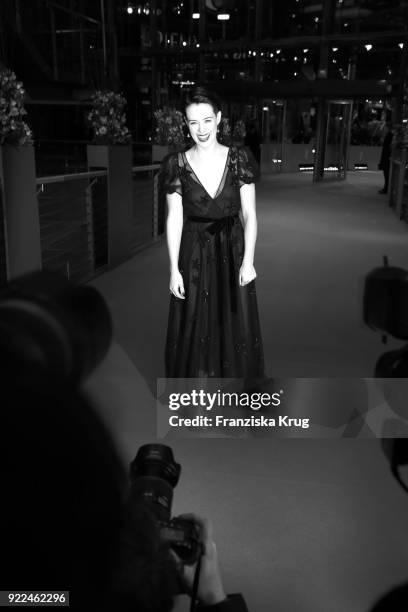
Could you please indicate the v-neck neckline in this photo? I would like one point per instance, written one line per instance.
(217, 193)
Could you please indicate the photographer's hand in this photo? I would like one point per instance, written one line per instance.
(210, 587)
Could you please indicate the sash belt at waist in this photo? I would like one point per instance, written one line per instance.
(214, 227)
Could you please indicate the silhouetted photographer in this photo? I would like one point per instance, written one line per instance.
(396, 450)
(70, 519)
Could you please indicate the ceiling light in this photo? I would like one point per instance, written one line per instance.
(196, 15)
(401, 45)
(223, 16)
(335, 49)
(368, 47)
(129, 10)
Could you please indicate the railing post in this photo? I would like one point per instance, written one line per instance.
(22, 221)
(118, 161)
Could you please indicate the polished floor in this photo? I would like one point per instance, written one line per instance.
(306, 525)
(315, 245)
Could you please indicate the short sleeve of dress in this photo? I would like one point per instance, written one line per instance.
(169, 175)
(247, 167)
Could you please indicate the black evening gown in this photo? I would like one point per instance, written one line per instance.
(214, 331)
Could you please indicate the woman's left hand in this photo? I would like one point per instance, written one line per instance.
(246, 274)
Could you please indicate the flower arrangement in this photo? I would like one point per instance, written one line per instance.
(13, 130)
(107, 118)
(224, 131)
(239, 131)
(170, 127)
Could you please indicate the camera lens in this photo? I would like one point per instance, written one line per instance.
(154, 474)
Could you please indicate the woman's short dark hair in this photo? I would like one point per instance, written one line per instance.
(201, 95)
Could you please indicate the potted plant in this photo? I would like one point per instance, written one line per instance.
(107, 118)
(170, 132)
(107, 121)
(17, 167)
(13, 129)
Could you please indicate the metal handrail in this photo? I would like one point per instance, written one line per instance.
(58, 178)
(144, 168)
(76, 141)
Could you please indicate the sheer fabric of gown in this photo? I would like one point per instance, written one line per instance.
(214, 331)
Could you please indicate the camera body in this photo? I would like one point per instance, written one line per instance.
(153, 474)
(182, 537)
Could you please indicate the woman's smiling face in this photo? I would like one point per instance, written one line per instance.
(202, 123)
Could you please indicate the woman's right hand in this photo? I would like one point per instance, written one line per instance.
(177, 285)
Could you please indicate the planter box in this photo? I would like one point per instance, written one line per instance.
(21, 214)
(159, 152)
(98, 155)
(117, 159)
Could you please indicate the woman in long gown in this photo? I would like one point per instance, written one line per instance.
(213, 326)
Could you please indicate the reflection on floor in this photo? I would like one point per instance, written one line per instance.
(305, 525)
